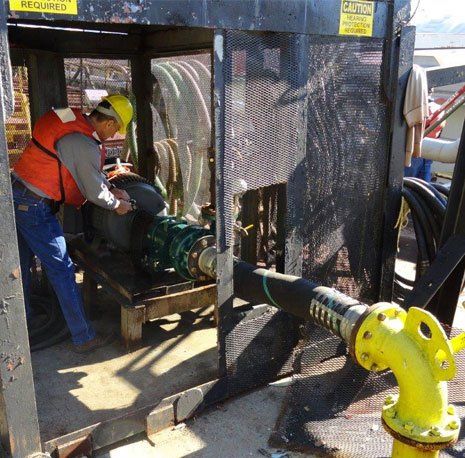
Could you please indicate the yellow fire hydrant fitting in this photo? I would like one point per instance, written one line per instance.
(415, 347)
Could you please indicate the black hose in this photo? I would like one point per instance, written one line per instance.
(54, 329)
(298, 296)
(421, 223)
(427, 203)
(429, 194)
(443, 189)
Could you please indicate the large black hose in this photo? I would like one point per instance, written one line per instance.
(427, 203)
(54, 329)
(327, 307)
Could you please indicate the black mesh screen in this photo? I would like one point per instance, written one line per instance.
(261, 110)
(345, 166)
(333, 408)
(307, 111)
(260, 348)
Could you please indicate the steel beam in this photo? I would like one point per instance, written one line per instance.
(19, 430)
(401, 63)
(447, 259)
(298, 16)
(224, 252)
(74, 43)
(47, 84)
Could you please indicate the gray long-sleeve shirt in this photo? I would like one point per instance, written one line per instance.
(81, 156)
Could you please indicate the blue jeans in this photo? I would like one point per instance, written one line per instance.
(420, 168)
(40, 234)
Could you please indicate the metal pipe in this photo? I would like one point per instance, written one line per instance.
(447, 114)
(440, 150)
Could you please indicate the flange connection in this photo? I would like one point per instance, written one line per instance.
(193, 257)
(415, 347)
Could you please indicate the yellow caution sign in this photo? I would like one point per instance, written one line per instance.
(45, 6)
(357, 18)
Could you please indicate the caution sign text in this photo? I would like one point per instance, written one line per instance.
(356, 18)
(45, 6)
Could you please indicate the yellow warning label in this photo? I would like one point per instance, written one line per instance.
(45, 6)
(356, 18)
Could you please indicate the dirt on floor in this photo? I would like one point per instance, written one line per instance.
(239, 428)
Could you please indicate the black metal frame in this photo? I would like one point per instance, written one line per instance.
(439, 288)
(150, 32)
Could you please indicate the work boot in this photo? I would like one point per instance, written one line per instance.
(90, 346)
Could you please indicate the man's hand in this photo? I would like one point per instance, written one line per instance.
(123, 207)
(120, 194)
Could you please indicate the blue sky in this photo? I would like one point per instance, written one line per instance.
(447, 16)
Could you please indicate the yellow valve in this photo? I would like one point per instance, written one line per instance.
(415, 347)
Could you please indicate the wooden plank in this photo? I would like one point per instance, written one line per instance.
(132, 319)
(181, 302)
(117, 274)
(89, 294)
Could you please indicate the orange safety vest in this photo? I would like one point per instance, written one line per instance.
(39, 163)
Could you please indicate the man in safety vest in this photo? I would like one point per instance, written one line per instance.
(63, 164)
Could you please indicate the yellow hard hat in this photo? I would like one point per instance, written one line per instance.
(123, 108)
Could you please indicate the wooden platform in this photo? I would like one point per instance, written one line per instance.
(141, 297)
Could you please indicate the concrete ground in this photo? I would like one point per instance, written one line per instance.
(242, 426)
(238, 428)
(74, 391)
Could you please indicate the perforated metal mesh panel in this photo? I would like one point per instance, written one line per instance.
(262, 108)
(260, 348)
(308, 111)
(333, 408)
(345, 166)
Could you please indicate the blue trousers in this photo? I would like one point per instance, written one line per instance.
(420, 168)
(40, 234)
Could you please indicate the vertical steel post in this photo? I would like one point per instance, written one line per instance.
(298, 56)
(142, 86)
(47, 83)
(19, 427)
(398, 63)
(444, 304)
(224, 252)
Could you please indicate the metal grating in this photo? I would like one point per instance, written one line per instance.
(309, 111)
(333, 408)
(345, 166)
(260, 348)
(18, 125)
(182, 129)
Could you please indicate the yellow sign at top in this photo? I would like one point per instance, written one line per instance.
(45, 6)
(357, 18)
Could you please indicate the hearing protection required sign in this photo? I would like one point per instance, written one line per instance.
(357, 18)
(45, 6)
